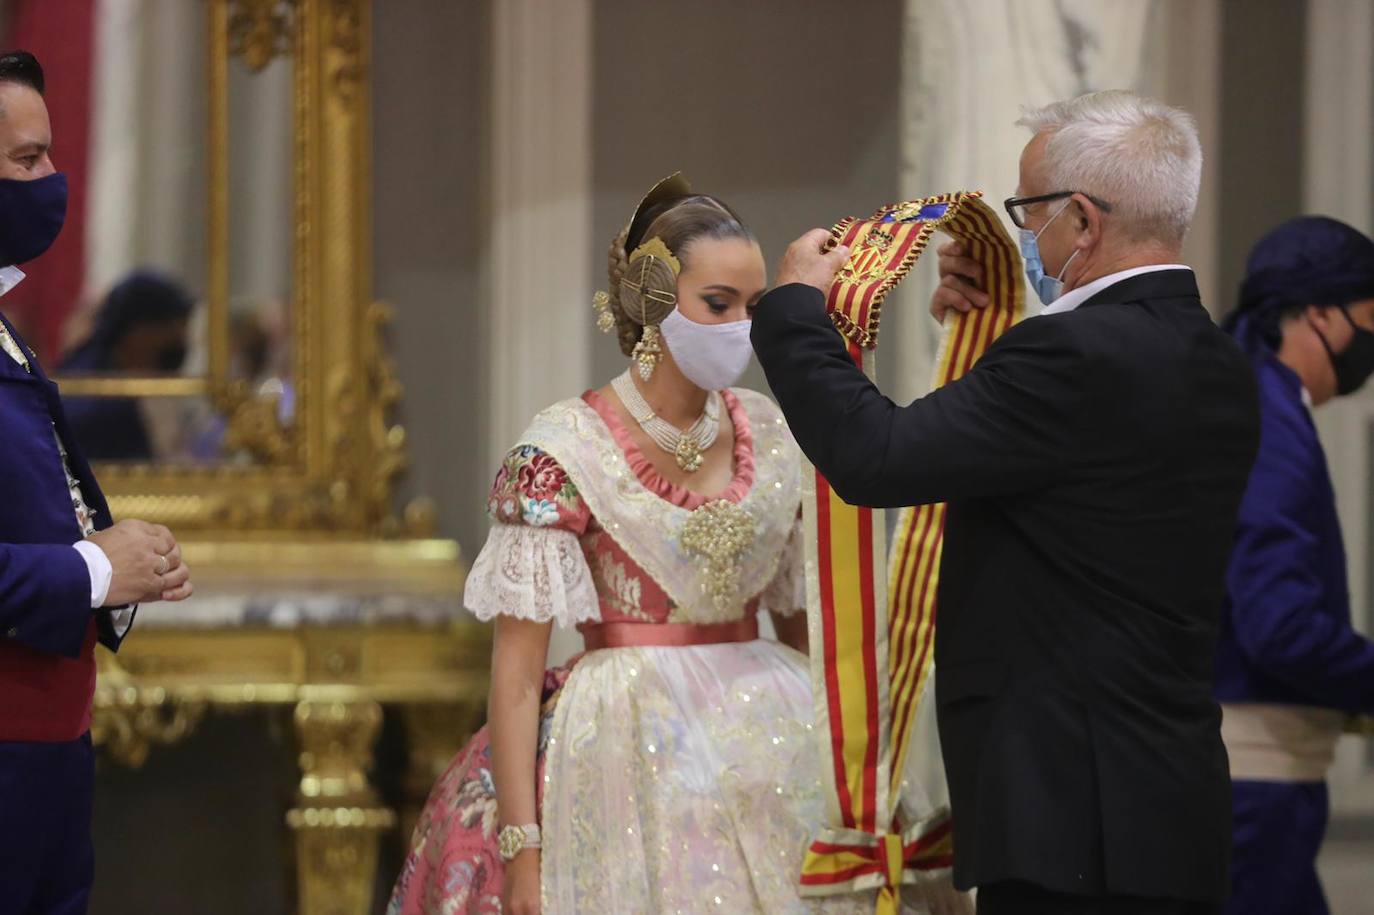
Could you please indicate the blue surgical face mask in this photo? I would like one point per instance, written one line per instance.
(1048, 288)
(31, 216)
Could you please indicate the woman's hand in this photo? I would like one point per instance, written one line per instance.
(522, 884)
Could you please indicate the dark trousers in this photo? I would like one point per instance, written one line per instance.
(47, 864)
(1278, 829)
(1013, 897)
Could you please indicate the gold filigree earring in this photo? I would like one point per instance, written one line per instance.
(605, 320)
(647, 351)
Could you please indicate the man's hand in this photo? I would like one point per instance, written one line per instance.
(805, 263)
(961, 282)
(146, 561)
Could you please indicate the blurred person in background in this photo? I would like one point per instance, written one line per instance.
(140, 329)
(1290, 666)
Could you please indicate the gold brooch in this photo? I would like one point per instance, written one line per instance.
(718, 534)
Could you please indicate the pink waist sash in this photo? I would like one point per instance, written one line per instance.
(668, 635)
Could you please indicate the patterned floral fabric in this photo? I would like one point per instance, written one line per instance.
(531, 488)
(453, 867)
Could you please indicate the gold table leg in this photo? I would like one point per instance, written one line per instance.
(435, 732)
(338, 817)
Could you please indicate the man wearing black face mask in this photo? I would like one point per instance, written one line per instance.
(68, 575)
(139, 329)
(1290, 666)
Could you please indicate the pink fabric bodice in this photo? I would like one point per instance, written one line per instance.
(535, 493)
(617, 576)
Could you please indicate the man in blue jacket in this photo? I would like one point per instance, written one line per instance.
(68, 575)
(1290, 667)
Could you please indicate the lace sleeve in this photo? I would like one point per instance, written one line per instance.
(532, 573)
(786, 593)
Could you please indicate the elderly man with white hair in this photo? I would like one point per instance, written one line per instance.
(1093, 461)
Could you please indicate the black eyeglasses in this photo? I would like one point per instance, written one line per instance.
(1016, 206)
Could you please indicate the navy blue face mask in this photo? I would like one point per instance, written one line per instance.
(31, 216)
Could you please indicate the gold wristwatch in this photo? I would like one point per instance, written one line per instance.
(515, 839)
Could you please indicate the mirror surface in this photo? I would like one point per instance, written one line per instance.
(177, 307)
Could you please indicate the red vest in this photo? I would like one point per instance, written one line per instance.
(46, 697)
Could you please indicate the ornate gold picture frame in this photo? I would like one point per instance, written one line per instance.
(327, 473)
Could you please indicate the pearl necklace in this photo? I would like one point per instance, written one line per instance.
(687, 448)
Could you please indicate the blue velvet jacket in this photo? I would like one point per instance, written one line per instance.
(45, 588)
(1286, 635)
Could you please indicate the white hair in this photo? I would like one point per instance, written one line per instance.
(1137, 154)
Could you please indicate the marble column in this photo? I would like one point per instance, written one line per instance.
(538, 314)
(147, 186)
(969, 68)
(114, 147)
(261, 163)
(540, 211)
(1338, 181)
(1184, 69)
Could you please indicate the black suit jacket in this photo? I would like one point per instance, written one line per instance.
(1093, 462)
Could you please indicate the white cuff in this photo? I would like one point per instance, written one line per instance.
(102, 573)
(121, 619)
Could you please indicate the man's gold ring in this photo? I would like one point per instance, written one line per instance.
(161, 565)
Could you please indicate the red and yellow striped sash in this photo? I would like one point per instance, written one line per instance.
(872, 618)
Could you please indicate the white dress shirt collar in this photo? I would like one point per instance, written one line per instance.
(1075, 297)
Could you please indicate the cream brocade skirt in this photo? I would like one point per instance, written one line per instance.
(684, 780)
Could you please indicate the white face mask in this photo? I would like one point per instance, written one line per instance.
(712, 356)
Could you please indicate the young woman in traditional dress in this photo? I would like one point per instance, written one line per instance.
(672, 767)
